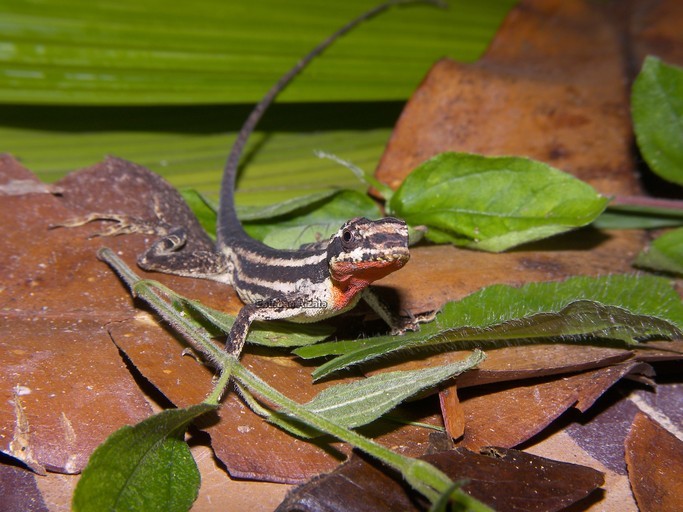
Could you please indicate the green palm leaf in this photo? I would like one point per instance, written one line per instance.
(72, 61)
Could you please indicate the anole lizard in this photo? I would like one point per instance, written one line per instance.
(304, 285)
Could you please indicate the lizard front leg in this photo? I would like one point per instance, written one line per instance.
(397, 324)
(247, 315)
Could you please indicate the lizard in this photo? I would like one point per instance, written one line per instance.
(311, 283)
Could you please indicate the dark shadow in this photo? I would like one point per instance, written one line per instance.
(203, 119)
(652, 184)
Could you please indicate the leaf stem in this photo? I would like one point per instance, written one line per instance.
(365, 177)
(221, 383)
(650, 202)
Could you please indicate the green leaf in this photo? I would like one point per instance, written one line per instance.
(623, 307)
(657, 110)
(153, 52)
(147, 52)
(363, 401)
(289, 206)
(144, 467)
(664, 254)
(316, 222)
(218, 52)
(493, 203)
(206, 210)
(365, 177)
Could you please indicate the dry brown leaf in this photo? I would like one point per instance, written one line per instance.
(63, 385)
(518, 362)
(655, 29)
(452, 411)
(510, 415)
(655, 465)
(507, 480)
(550, 86)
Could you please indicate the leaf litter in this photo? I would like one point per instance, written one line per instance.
(524, 267)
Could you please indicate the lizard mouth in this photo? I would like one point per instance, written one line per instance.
(368, 270)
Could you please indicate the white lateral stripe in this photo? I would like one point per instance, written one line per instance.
(294, 261)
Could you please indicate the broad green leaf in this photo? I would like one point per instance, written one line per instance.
(664, 254)
(153, 52)
(493, 203)
(657, 110)
(315, 222)
(624, 307)
(363, 401)
(283, 167)
(270, 334)
(144, 467)
(217, 52)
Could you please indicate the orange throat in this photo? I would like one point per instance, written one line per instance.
(349, 279)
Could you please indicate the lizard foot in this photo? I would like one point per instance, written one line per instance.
(123, 225)
(412, 323)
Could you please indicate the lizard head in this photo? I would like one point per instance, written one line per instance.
(364, 250)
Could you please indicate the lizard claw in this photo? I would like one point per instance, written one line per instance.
(412, 323)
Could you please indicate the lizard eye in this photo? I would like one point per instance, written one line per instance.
(347, 236)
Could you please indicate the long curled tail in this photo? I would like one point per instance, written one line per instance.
(229, 226)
